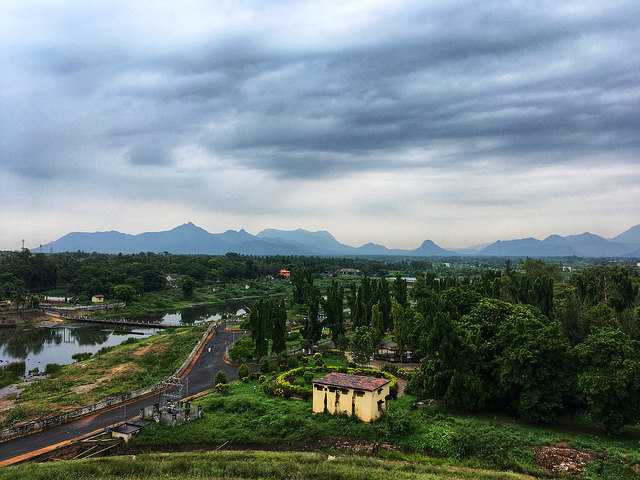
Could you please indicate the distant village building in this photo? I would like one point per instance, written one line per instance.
(50, 299)
(567, 269)
(97, 299)
(356, 395)
(348, 272)
(284, 273)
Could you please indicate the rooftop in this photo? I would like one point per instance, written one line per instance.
(360, 382)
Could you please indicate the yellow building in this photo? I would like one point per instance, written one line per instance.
(97, 299)
(354, 395)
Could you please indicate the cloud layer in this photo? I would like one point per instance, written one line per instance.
(388, 121)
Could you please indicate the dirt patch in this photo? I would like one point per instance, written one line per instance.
(6, 404)
(128, 367)
(8, 397)
(80, 389)
(146, 349)
(562, 459)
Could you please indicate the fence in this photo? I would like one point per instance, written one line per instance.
(43, 423)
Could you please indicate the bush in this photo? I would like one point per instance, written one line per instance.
(286, 387)
(243, 371)
(269, 364)
(11, 373)
(317, 359)
(243, 350)
(52, 368)
(80, 357)
(222, 388)
(221, 378)
(395, 424)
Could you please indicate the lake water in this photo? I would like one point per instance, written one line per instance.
(38, 346)
(200, 314)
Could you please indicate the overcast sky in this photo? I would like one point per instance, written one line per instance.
(386, 121)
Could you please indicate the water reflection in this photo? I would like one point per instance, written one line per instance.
(201, 313)
(39, 346)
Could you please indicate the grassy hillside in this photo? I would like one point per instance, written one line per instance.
(135, 364)
(246, 417)
(247, 465)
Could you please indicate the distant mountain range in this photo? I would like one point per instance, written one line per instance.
(191, 239)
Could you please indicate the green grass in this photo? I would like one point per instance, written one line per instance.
(248, 465)
(246, 416)
(132, 365)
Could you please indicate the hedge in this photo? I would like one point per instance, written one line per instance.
(284, 388)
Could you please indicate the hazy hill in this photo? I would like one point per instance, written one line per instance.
(631, 236)
(191, 239)
(583, 245)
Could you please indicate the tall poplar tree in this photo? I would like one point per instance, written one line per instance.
(279, 330)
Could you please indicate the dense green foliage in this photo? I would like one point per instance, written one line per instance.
(525, 350)
(84, 274)
(268, 323)
(248, 416)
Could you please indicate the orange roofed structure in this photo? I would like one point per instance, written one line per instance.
(284, 273)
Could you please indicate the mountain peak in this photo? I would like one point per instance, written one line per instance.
(631, 236)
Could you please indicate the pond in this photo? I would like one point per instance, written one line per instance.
(38, 346)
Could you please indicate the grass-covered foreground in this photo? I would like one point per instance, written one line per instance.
(247, 465)
(246, 416)
(135, 364)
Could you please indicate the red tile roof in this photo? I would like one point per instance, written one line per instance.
(359, 382)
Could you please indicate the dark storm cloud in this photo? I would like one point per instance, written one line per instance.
(150, 154)
(104, 91)
(458, 74)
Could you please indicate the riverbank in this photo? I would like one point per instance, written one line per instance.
(172, 299)
(134, 364)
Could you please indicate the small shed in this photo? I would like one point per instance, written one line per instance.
(126, 431)
(356, 395)
(97, 299)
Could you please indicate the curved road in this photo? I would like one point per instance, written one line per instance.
(199, 378)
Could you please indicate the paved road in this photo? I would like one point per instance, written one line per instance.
(200, 378)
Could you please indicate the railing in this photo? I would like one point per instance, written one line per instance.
(86, 308)
(118, 321)
(43, 423)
